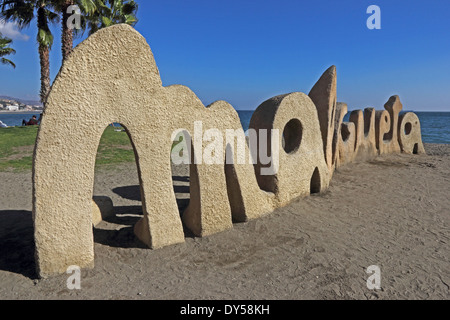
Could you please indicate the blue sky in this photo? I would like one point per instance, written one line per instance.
(245, 51)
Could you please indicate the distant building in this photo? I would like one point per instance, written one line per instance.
(14, 107)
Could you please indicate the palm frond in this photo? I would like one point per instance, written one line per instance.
(19, 11)
(130, 8)
(107, 22)
(88, 7)
(45, 37)
(5, 50)
(110, 12)
(130, 19)
(52, 16)
(8, 62)
(4, 41)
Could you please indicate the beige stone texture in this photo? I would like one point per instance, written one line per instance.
(102, 208)
(341, 111)
(220, 195)
(347, 143)
(365, 145)
(388, 137)
(410, 134)
(112, 78)
(302, 168)
(382, 128)
(323, 94)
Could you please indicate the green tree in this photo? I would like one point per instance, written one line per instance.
(86, 7)
(95, 14)
(22, 12)
(5, 50)
(110, 12)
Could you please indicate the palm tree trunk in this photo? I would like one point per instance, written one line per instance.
(67, 33)
(44, 57)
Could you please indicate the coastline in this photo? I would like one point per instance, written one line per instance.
(21, 112)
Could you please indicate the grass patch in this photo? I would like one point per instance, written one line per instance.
(115, 148)
(17, 145)
(16, 148)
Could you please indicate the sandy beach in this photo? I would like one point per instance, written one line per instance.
(393, 212)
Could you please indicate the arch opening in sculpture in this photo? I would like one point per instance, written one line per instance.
(234, 188)
(116, 146)
(182, 156)
(315, 182)
(416, 148)
(388, 135)
(367, 121)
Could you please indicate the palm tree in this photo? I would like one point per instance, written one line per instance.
(95, 14)
(22, 12)
(67, 33)
(5, 50)
(110, 12)
(87, 7)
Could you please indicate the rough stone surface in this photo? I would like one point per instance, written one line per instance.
(347, 140)
(371, 133)
(102, 208)
(112, 78)
(410, 134)
(323, 94)
(388, 142)
(341, 111)
(382, 128)
(293, 115)
(365, 144)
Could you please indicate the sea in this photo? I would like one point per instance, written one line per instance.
(435, 125)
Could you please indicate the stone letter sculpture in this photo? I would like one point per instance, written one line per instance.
(112, 78)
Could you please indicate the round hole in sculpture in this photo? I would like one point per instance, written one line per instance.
(408, 128)
(292, 136)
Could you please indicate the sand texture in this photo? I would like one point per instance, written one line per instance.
(393, 212)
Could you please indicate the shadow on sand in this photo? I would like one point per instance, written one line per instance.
(17, 243)
(134, 193)
(17, 247)
(126, 217)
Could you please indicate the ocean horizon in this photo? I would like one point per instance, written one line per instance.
(435, 125)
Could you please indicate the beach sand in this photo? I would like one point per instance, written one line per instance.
(393, 212)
